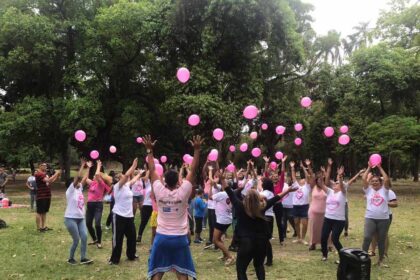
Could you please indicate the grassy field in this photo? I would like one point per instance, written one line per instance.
(27, 254)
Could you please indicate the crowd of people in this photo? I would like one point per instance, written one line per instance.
(300, 202)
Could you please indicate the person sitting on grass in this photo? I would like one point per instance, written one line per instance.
(74, 217)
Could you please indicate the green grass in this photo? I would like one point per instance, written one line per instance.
(27, 254)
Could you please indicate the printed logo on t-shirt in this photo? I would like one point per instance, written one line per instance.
(377, 199)
(166, 209)
(299, 194)
(333, 204)
(80, 201)
(227, 201)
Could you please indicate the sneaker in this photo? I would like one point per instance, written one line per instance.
(337, 262)
(111, 263)
(312, 247)
(99, 245)
(209, 246)
(324, 259)
(222, 258)
(71, 261)
(85, 261)
(305, 243)
(296, 241)
(47, 229)
(198, 241)
(230, 261)
(93, 242)
(201, 239)
(138, 240)
(269, 264)
(107, 227)
(136, 257)
(346, 234)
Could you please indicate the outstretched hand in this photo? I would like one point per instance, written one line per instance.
(292, 164)
(330, 161)
(266, 159)
(340, 171)
(196, 142)
(284, 159)
(148, 142)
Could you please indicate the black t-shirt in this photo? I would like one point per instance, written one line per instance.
(247, 226)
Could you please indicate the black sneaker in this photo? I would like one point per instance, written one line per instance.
(112, 263)
(138, 239)
(269, 264)
(85, 261)
(71, 261)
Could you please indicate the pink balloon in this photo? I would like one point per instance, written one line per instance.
(80, 135)
(253, 135)
(243, 147)
(194, 120)
(264, 126)
(94, 154)
(256, 152)
(187, 158)
(231, 167)
(344, 139)
(298, 127)
(232, 148)
(139, 140)
(280, 129)
(213, 155)
(156, 161)
(218, 134)
(183, 75)
(344, 129)
(329, 131)
(375, 159)
(250, 112)
(159, 169)
(112, 149)
(273, 165)
(305, 102)
(298, 141)
(163, 159)
(279, 155)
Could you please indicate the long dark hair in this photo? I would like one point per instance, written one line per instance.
(253, 205)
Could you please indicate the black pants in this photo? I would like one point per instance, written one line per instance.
(287, 216)
(109, 219)
(94, 211)
(212, 222)
(278, 213)
(269, 252)
(122, 226)
(198, 224)
(251, 249)
(336, 227)
(146, 212)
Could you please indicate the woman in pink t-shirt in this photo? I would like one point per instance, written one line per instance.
(170, 250)
(97, 190)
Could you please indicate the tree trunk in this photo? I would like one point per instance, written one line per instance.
(32, 165)
(65, 161)
(415, 168)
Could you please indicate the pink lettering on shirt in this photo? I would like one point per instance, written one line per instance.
(377, 199)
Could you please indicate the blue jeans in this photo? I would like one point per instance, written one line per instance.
(77, 230)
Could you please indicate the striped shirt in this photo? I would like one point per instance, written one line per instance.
(43, 189)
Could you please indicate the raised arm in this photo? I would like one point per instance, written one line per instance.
(387, 182)
(54, 177)
(135, 178)
(352, 180)
(365, 180)
(85, 179)
(252, 169)
(266, 165)
(77, 179)
(196, 143)
(328, 173)
(340, 175)
(293, 171)
(150, 144)
(124, 178)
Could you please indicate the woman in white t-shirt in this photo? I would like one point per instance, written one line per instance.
(335, 212)
(223, 209)
(147, 209)
(123, 218)
(74, 217)
(377, 213)
(300, 203)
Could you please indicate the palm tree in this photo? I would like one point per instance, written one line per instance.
(328, 48)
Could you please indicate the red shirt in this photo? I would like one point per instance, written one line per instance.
(43, 190)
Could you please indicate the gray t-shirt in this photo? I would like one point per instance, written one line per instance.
(32, 182)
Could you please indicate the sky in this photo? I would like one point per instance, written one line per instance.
(343, 15)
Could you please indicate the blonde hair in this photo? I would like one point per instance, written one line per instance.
(253, 205)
